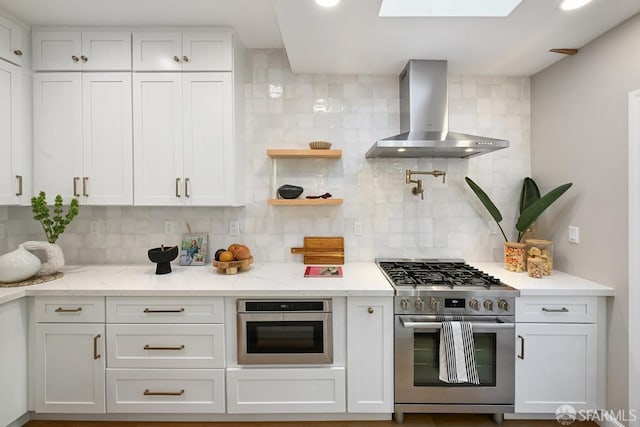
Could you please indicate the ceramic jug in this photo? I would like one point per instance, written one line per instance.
(18, 265)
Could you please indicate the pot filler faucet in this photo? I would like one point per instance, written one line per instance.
(418, 188)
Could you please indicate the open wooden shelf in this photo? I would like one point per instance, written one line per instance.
(304, 154)
(299, 202)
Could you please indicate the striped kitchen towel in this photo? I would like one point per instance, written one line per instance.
(457, 354)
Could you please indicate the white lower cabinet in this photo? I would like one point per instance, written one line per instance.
(70, 367)
(285, 390)
(370, 354)
(165, 390)
(13, 361)
(558, 359)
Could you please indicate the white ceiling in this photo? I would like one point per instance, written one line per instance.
(351, 38)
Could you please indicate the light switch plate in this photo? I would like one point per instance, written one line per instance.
(574, 234)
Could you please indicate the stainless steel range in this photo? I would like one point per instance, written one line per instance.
(428, 293)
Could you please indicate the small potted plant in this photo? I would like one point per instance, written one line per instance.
(531, 207)
(49, 252)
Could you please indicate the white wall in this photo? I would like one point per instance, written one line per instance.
(580, 134)
(350, 111)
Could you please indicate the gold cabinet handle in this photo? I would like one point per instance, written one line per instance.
(68, 310)
(149, 347)
(96, 355)
(370, 310)
(19, 178)
(185, 59)
(84, 58)
(74, 58)
(85, 180)
(555, 310)
(177, 187)
(179, 310)
(521, 355)
(75, 186)
(18, 52)
(187, 181)
(176, 59)
(147, 392)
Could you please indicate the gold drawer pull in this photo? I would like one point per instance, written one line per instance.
(68, 310)
(554, 310)
(148, 347)
(163, 393)
(19, 178)
(18, 52)
(96, 355)
(148, 310)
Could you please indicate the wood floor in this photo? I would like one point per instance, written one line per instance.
(411, 420)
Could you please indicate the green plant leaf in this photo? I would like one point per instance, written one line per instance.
(529, 194)
(486, 201)
(532, 213)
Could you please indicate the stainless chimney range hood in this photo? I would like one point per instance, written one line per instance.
(424, 119)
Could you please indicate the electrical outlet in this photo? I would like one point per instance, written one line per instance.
(169, 227)
(234, 228)
(357, 228)
(574, 234)
(3, 231)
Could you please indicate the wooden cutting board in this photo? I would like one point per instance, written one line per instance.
(322, 250)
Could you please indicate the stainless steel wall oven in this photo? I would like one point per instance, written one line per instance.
(285, 331)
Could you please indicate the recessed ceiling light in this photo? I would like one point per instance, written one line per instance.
(327, 3)
(447, 8)
(401, 150)
(573, 4)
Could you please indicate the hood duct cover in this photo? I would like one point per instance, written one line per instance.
(424, 119)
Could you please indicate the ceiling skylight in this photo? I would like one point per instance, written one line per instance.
(447, 8)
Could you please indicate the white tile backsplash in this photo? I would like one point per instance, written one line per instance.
(286, 110)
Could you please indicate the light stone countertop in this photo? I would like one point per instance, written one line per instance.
(270, 280)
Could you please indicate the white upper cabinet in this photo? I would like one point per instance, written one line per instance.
(81, 51)
(14, 176)
(11, 48)
(182, 51)
(82, 137)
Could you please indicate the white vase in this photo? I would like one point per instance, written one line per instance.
(18, 265)
(49, 254)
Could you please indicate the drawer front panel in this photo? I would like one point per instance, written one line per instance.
(165, 391)
(69, 309)
(557, 309)
(165, 346)
(251, 391)
(164, 310)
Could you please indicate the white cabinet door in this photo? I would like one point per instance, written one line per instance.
(369, 354)
(207, 51)
(106, 50)
(12, 165)
(555, 365)
(107, 177)
(157, 135)
(11, 41)
(75, 51)
(157, 51)
(208, 139)
(57, 116)
(70, 368)
(13, 360)
(57, 50)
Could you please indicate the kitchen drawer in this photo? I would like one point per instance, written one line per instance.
(287, 390)
(165, 310)
(556, 309)
(165, 391)
(69, 309)
(165, 346)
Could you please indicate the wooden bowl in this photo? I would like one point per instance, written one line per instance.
(232, 267)
(319, 145)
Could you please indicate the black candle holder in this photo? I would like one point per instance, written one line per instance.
(162, 257)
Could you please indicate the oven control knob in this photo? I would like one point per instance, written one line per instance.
(474, 304)
(404, 304)
(488, 305)
(434, 304)
(503, 305)
(419, 304)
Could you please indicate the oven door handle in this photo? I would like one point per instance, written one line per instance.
(408, 323)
